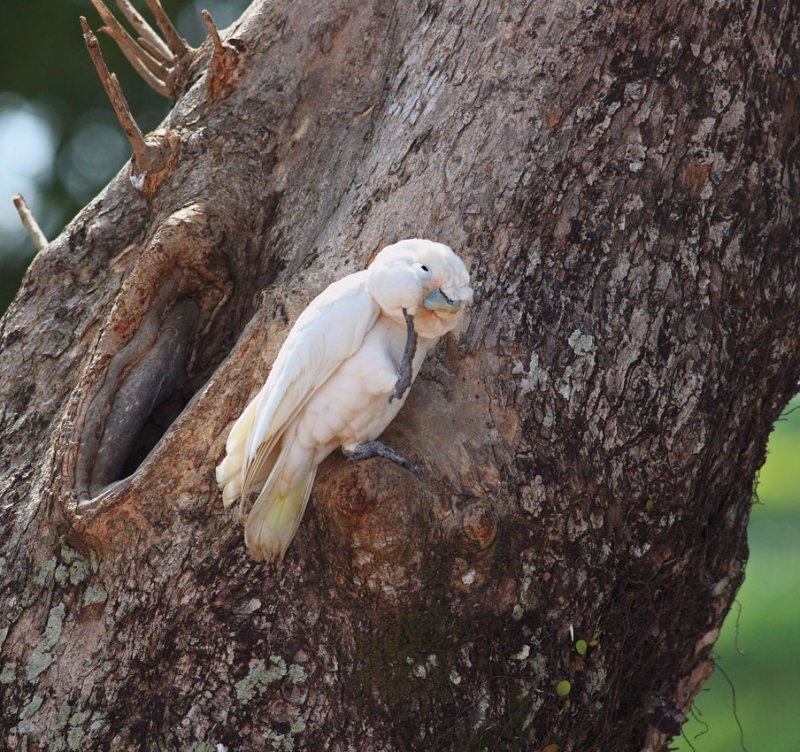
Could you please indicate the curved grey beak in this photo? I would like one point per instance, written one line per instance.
(438, 301)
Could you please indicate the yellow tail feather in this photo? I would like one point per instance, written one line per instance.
(274, 518)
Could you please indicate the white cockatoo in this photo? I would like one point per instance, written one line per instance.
(340, 378)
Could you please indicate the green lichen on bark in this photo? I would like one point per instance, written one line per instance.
(41, 657)
(31, 708)
(259, 678)
(61, 575)
(45, 570)
(69, 728)
(202, 747)
(297, 673)
(580, 343)
(94, 594)
(285, 742)
(77, 572)
(75, 737)
(55, 624)
(26, 724)
(62, 718)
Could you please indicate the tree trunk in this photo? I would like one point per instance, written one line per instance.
(623, 184)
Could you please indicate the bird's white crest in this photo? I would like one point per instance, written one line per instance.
(330, 383)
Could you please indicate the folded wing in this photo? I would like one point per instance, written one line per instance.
(328, 332)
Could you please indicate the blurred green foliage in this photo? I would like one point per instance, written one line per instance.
(59, 139)
(759, 648)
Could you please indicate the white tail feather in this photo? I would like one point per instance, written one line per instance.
(229, 471)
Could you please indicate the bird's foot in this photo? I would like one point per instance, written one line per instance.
(404, 374)
(378, 449)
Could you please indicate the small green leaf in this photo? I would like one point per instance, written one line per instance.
(649, 505)
(563, 688)
(581, 647)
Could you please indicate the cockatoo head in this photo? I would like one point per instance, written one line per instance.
(425, 278)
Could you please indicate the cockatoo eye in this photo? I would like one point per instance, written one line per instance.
(424, 268)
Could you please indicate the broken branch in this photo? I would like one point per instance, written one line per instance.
(148, 156)
(225, 60)
(29, 223)
(212, 32)
(150, 69)
(176, 43)
(155, 52)
(118, 101)
(150, 39)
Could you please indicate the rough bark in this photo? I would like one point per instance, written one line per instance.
(624, 185)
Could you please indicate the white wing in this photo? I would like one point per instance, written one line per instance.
(328, 332)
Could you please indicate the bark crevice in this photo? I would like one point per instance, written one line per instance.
(129, 418)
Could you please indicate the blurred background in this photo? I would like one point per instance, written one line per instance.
(755, 704)
(60, 143)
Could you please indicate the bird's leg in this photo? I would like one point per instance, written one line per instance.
(378, 449)
(404, 374)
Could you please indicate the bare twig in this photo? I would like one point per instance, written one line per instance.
(29, 223)
(126, 42)
(225, 60)
(150, 69)
(176, 43)
(149, 39)
(155, 52)
(162, 58)
(212, 32)
(118, 101)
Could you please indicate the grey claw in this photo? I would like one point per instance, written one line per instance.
(404, 373)
(378, 449)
